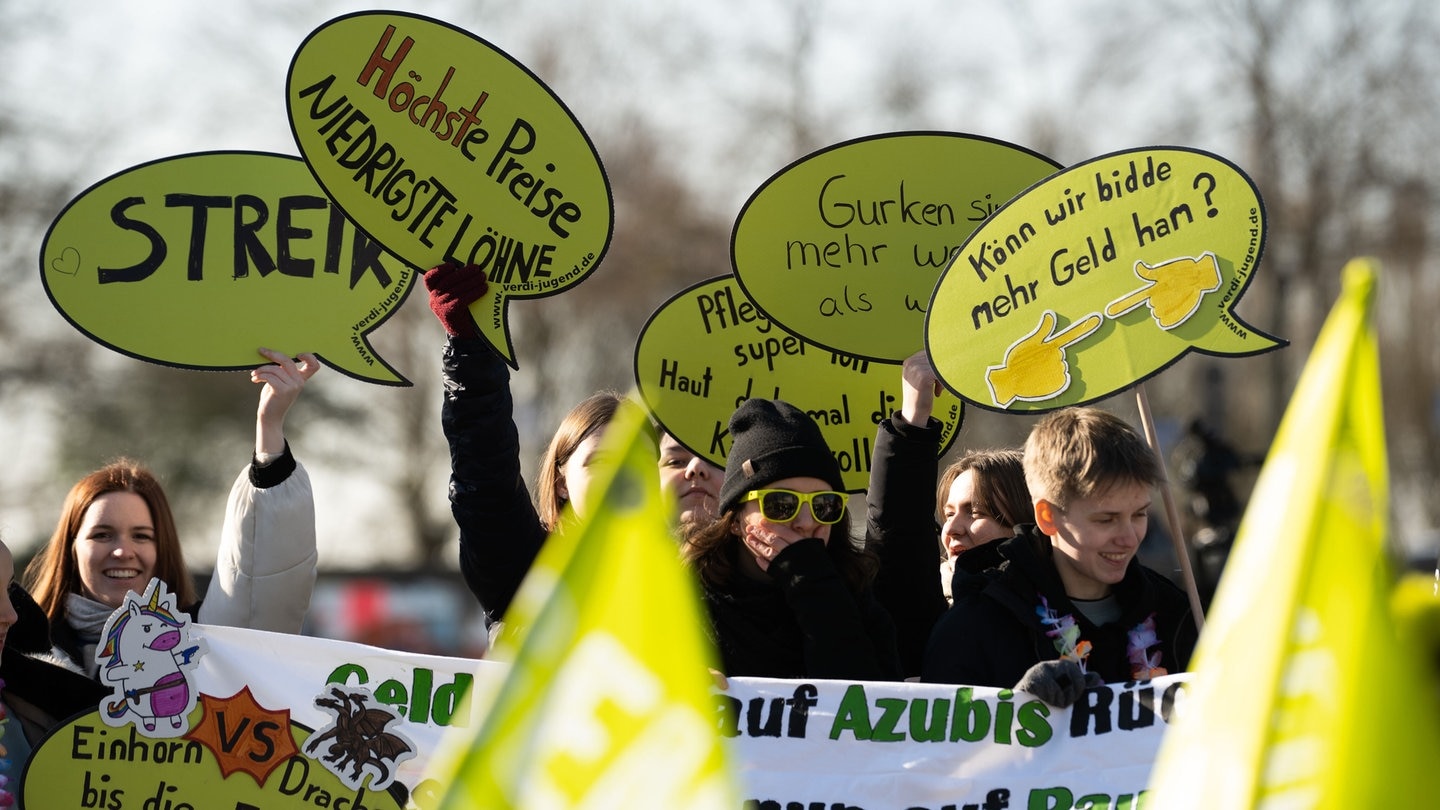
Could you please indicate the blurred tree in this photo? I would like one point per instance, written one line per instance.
(662, 243)
(664, 239)
(1330, 107)
(1342, 102)
(389, 439)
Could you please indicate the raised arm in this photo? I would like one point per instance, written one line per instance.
(281, 381)
(500, 530)
(265, 567)
(900, 513)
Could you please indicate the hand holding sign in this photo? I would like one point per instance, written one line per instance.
(282, 379)
(444, 148)
(452, 290)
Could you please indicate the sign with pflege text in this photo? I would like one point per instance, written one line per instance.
(709, 348)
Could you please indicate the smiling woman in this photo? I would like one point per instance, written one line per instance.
(116, 532)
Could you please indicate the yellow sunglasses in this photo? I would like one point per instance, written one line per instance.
(783, 505)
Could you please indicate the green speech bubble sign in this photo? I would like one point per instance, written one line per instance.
(709, 348)
(197, 260)
(1098, 278)
(443, 147)
(844, 246)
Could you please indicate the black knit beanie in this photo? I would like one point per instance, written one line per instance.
(771, 440)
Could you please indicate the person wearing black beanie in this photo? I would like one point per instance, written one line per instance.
(772, 439)
(788, 591)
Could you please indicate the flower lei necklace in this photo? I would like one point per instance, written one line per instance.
(1065, 634)
(7, 799)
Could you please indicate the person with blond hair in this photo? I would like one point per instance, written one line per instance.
(1071, 606)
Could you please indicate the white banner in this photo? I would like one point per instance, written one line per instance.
(798, 745)
(832, 745)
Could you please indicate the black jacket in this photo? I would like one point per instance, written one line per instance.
(900, 527)
(40, 692)
(803, 623)
(993, 634)
(971, 568)
(500, 530)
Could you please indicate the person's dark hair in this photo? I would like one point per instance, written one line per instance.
(713, 552)
(53, 574)
(592, 414)
(1000, 489)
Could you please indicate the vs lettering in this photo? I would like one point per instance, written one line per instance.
(261, 738)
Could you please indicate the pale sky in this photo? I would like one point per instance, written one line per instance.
(181, 78)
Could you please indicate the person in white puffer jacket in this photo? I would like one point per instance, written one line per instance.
(116, 531)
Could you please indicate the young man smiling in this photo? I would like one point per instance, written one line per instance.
(1071, 606)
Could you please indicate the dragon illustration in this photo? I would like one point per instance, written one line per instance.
(359, 739)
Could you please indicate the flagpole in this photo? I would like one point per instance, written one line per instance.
(1177, 534)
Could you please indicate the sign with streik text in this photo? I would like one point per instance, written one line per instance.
(844, 245)
(1098, 278)
(443, 147)
(197, 260)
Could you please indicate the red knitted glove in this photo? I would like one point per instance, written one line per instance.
(452, 289)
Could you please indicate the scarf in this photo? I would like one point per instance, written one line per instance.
(1064, 633)
(87, 618)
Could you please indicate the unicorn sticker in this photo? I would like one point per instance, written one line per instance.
(146, 654)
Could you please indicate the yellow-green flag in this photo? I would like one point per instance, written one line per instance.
(607, 702)
(1303, 693)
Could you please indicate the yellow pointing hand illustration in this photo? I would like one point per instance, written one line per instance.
(1035, 367)
(1174, 289)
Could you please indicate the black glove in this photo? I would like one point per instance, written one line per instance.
(1058, 683)
(452, 289)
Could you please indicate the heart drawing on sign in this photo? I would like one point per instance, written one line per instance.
(68, 262)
